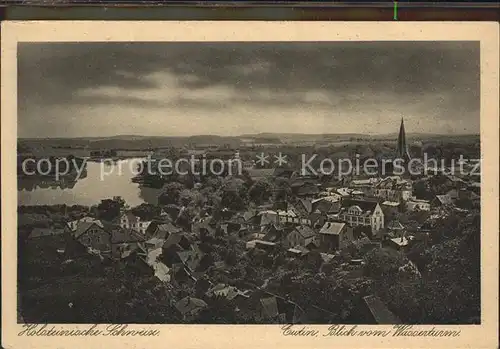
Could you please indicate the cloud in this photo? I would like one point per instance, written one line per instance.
(361, 81)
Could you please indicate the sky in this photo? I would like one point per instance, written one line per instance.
(226, 88)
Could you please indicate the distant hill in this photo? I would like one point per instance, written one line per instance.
(139, 142)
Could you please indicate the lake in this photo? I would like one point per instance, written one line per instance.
(90, 189)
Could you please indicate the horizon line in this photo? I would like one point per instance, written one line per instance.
(257, 134)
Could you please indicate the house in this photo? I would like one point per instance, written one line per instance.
(393, 189)
(136, 265)
(189, 308)
(442, 201)
(261, 244)
(297, 252)
(195, 260)
(161, 230)
(344, 192)
(272, 233)
(363, 213)
(281, 217)
(335, 236)
(153, 244)
(418, 205)
(392, 204)
(72, 225)
(364, 185)
(93, 236)
(327, 205)
(265, 245)
(395, 227)
(327, 257)
(377, 313)
(130, 221)
(303, 207)
(398, 243)
(124, 241)
(302, 235)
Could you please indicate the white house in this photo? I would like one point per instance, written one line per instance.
(362, 213)
(129, 221)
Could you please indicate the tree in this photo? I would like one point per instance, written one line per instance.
(191, 197)
(383, 262)
(170, 193)
(314, 261)
(146, 211)
(109, 209)
(261, 191)
(234, 194)
(282, 190)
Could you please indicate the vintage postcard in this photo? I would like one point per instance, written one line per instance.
(249, 184)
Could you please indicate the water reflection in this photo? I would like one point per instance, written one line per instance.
(89, 189)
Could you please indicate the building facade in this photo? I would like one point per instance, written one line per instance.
(363, 213)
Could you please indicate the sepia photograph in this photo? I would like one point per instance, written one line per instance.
(200, 182)
(240, 182)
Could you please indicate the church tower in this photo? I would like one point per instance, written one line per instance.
(402, 147)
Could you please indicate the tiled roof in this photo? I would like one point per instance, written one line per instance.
(326, 206)
(332, 228)
(82, 228)
(364, 205)
(173, 239)
(444, 199)
(395, 225)
(401, 241)
(304, 206)
(305, 231)
(121, 235)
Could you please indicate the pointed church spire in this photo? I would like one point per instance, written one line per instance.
(402, 147)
